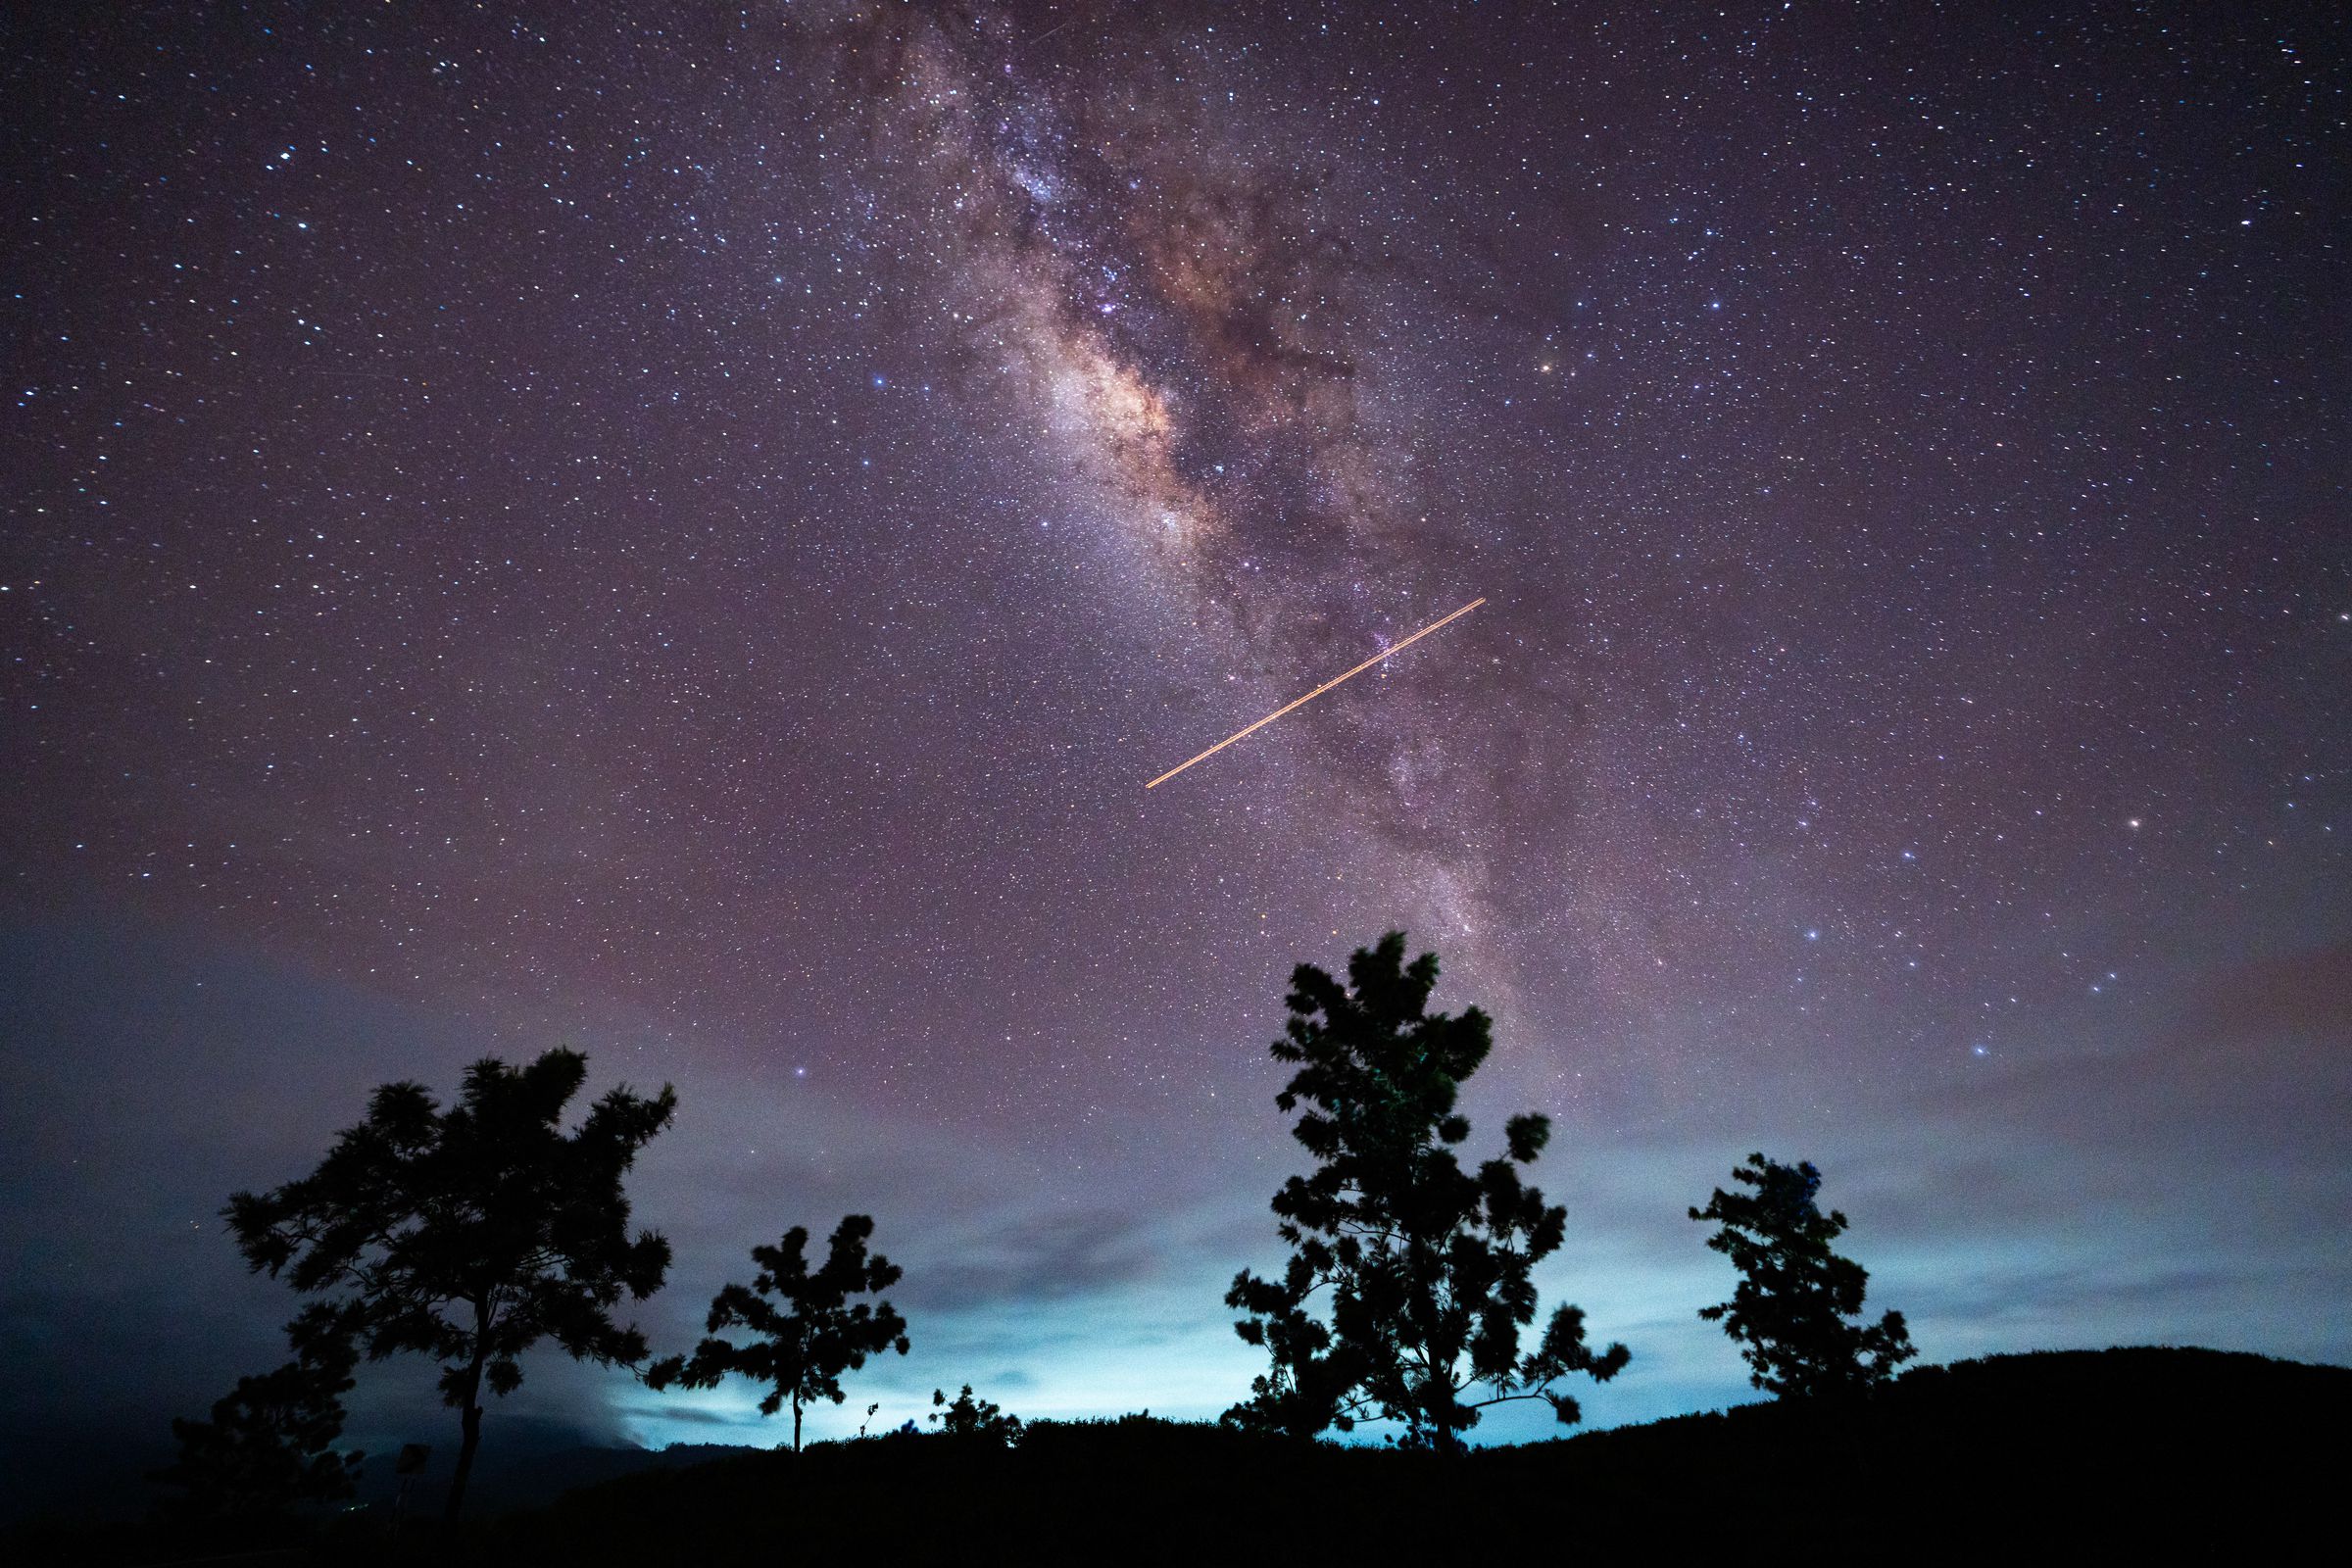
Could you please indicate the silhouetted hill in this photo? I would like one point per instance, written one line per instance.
(2099, 1438)
(2112, 1442)
(2201, 1449)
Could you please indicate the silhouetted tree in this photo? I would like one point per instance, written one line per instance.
(470, 1234)
(1791, 1312)
(1428, 1265)
(805, 1344)
(271, 1441)
(974, 1418)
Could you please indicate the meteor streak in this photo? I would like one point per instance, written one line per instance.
(1384, 653)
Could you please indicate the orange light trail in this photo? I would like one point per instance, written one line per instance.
(1386, 653)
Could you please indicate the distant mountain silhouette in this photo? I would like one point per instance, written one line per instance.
(95, 1477)
(535, 1477)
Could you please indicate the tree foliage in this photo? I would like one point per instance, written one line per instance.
(271, 1441)
(1428, 1266)
(473, 1234)
(1311, 1381)
(810, 1335)
(966, 1416)
(1796, 1310)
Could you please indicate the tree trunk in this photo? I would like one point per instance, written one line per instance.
(473, 1440)
(1429, 1417)
(796, 1423)
(456, 1481)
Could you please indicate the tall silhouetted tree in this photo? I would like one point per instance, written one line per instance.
(812, 1338)
(271, 1441)
(1796, 1310)
(1428, 1265)
(472, 1233)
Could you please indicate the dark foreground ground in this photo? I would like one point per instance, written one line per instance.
(2195, 1453)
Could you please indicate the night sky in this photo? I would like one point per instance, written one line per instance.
(685, 530)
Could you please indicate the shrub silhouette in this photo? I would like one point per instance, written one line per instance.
(1428, 1265)
(1790, 1312)
(470, 1234)
(805, 1344)
(271, 1443)
(974, 1418)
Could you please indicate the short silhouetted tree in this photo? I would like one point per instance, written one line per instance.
(1428, 1265)
(980, 1420)
(810, 1335)
(472, 1233)
(271, 1441)
(1796, 1308)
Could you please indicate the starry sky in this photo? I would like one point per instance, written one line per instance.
(685, 530)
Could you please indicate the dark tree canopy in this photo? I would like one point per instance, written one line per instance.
(473, 1234)
(1428, 1265)
(810, 1335)
(1796, 1310)
(271, 1441)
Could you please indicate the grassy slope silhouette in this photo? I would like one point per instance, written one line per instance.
(2194, 1447)
(2110, 1442)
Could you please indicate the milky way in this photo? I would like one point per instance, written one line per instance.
(687, 532)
